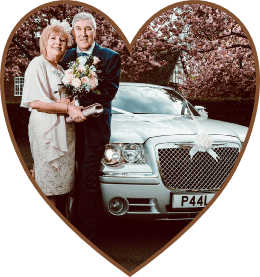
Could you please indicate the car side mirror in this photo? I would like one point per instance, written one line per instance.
(202, 111)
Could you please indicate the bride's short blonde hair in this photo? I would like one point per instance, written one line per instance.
(57, 29)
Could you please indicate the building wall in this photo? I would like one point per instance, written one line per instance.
(9, 92)
(178, 76)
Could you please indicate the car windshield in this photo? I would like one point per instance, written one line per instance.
(149, 100)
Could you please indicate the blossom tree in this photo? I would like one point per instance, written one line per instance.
(25, 42)
(214, 50)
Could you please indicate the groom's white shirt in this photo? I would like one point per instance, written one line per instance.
(83, 59)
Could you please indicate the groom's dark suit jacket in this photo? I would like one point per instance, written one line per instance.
(98, 135)
(91, 137)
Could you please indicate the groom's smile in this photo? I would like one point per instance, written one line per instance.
(84, 34)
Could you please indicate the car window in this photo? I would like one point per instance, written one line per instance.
(148, 100)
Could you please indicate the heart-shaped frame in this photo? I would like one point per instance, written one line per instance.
(130, 45)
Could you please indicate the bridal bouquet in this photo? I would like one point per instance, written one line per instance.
(79, 79)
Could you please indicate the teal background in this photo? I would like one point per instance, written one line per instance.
(35, 242)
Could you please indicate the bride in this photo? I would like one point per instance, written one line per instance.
(52, 141)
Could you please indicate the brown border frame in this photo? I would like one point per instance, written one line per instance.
(129, 46)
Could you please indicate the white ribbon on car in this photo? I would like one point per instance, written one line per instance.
(134, 115)
(202, 142)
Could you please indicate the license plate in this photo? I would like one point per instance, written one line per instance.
(191, 201)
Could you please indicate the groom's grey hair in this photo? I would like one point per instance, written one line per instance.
(82, 16)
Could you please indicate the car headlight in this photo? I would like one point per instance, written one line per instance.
(117, 154)
(131, 152)
(112, 154)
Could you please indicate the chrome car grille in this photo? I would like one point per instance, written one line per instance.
(202, 172)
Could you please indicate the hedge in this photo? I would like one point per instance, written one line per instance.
(234, 110)
(19, 119)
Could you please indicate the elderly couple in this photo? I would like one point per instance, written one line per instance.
(55, 145)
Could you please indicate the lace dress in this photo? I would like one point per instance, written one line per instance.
(52, 141)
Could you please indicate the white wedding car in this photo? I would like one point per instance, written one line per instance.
(148, 169)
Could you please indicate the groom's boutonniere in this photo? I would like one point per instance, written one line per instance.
(79, 79)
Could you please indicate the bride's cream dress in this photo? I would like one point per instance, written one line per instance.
(52, 141)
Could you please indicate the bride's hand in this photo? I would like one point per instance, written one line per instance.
(75, 113)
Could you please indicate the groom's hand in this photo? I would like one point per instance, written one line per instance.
(75, 113)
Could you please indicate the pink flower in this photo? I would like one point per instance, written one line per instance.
(76, 82)
(96, 60)
(93, 82)
(92, 73)
(84, 80)
(81, 68)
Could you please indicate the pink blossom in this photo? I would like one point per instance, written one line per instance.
(210, 20)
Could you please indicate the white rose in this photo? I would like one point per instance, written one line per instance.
(69, 71)
(65, 80)
(76, 82)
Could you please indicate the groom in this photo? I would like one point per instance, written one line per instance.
(94, 133)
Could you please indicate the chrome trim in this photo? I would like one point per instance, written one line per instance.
(129, 175)
(191, 191)
(130, 178)
(151, 204)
